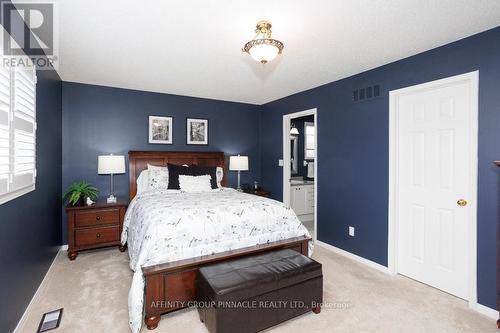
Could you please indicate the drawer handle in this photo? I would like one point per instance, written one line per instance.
(98, 218)
(98, 235)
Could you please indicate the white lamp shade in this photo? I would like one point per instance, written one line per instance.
(263, 52)
(238, 163)
(110, 164)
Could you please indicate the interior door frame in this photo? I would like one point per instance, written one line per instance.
(472, 79)
(286, 161)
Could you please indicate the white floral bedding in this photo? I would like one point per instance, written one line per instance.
(163, 226)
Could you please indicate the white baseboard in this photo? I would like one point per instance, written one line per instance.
(484, 310)
(40, 287)
(354, 257)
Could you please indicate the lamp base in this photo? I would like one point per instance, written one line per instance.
(111, 199)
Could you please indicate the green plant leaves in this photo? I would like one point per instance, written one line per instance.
(79, 190)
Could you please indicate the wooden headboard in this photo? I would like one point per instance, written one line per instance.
(139, 160)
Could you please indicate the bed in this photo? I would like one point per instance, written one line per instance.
(171, 234)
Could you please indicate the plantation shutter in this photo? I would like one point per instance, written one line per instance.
(24, 128)
(5, 147)
(17, 130)
(17, 124)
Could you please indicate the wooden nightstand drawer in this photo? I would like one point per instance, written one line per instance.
(86, 237)
(90, 227)
(95, 217)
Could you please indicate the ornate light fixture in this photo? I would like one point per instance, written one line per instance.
(262, 47)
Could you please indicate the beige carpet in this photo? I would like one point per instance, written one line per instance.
(93, 291)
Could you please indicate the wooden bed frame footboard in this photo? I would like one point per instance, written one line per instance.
(172, 286)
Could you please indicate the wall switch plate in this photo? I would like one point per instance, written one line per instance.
(351, 231)
(280, 163)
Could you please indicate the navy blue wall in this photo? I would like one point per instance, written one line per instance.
(353, 150)
(101, 120)
(31, 224)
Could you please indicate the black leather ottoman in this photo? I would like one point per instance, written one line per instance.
(253, 293)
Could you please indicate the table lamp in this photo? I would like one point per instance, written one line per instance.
(111, 165)
(238, 163)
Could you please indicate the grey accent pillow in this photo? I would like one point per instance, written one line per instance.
(158, 177)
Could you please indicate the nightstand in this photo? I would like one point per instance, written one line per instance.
(260, 193)
(95, 226)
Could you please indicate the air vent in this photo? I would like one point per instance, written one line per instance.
(363, 94)
(369, 92)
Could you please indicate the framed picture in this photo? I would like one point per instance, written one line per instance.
(160, 130)
(197, 131)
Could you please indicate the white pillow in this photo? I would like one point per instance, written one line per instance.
(195, 183)
(158, 177)
(142, 181)
(219, 172)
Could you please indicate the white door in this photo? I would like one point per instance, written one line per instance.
(434, 153)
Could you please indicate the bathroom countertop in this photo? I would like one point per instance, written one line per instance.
(302, 182)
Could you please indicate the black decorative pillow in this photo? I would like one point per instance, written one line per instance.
(173, 175)
(203, 170)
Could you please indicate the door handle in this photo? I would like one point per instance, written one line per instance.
(462, 202)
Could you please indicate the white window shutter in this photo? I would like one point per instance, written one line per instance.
(5, 146)
(17, 127)
(24, 128)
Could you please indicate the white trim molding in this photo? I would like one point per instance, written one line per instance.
(286, 161)
(482, 309)
(16, 194)
(45, 280)
(473, 79)
(354, 257)
(485, 311)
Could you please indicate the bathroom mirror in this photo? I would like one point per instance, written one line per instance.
(294, 141)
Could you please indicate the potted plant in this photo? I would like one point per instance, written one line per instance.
(77, 192)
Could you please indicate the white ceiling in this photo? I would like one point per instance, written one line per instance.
(193, 47)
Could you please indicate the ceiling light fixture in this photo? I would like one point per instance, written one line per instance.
(262, 47)
(294, 130)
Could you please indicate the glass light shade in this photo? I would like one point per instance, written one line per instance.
(263, 52)
(238, 163)
(294, 131)
(110, 164)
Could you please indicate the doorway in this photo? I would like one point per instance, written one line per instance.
(300, 156)
(433, 135)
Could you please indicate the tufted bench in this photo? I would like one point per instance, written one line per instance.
(253, 293)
